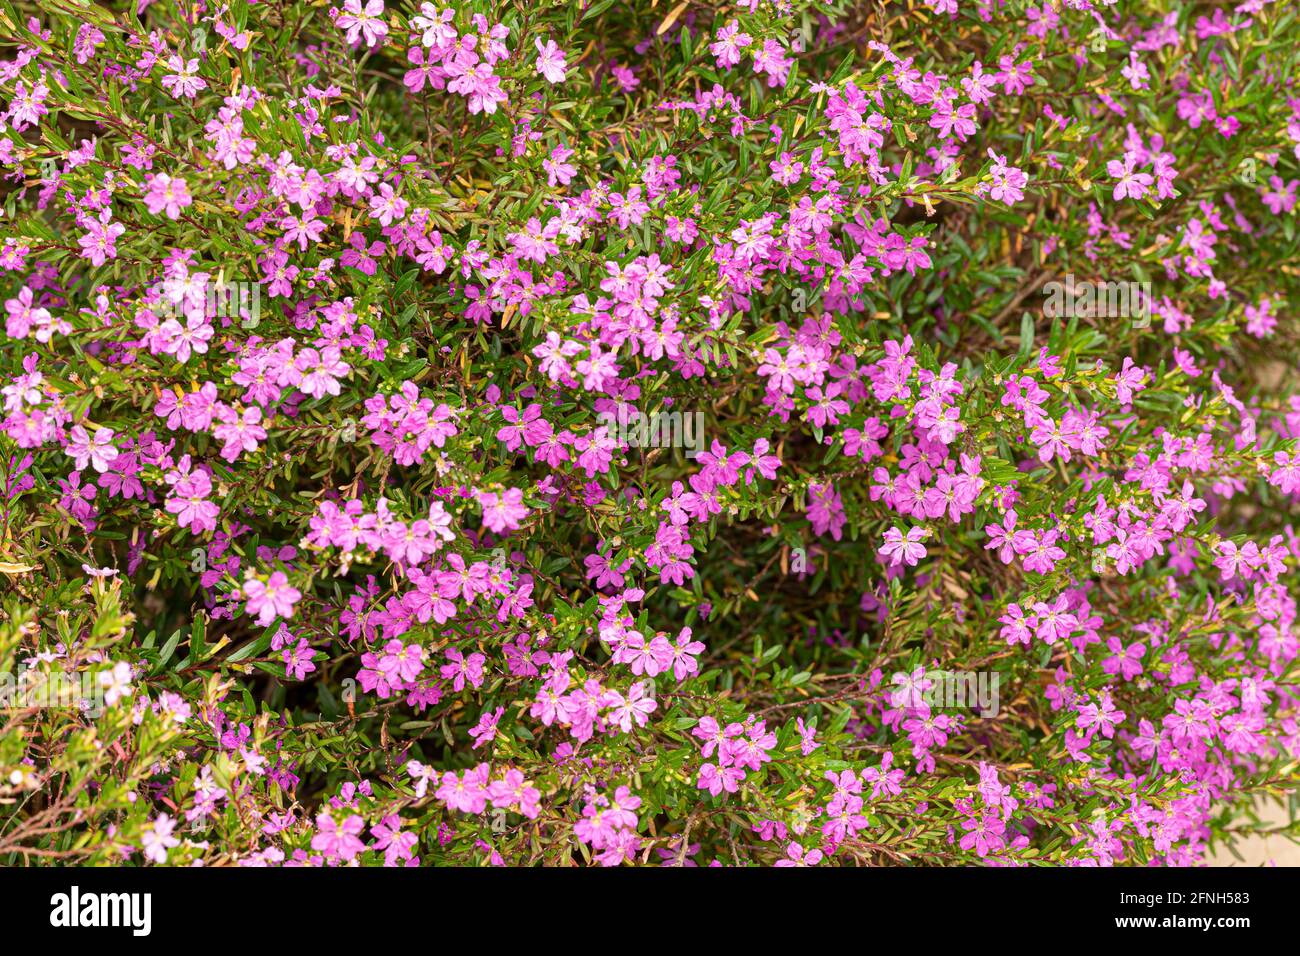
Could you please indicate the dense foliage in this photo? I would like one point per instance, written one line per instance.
(775, 432)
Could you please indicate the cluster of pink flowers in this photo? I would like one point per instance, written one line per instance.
(472, 790)
(463, 63)
(740, 748)
(406, 426)
(352, 527)
(587, 708)
(608, 825)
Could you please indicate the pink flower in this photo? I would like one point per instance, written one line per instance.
(486, 729)
(550, 61)
(717, 779)
(156, 839)
(338, 841)
(502, 512)
(402, 662)
(904, 549)
(636, 708)
(797, 856)
(99, 244)
(684, 654)
(465, 792)
(1104, 717)
(386, 205)
(397, 844)
(167, 195)
(270, 599)
(1128, 182)
(188, 501)
(363, 21)
(727, 48)
(513, 791)
(183, 81)
(298, 660)
(1054, 621)
(98, 452)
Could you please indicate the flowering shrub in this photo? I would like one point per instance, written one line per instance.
(776, 432)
